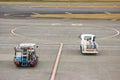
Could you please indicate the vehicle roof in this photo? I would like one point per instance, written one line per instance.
(82, 35)
(27, 44)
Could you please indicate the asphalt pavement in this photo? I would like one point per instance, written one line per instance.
(48, 34)
(25, 10)
(16, 26)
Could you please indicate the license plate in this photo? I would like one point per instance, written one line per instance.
(90, 50)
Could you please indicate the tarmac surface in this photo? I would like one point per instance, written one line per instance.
(48, 34)
(25, 10)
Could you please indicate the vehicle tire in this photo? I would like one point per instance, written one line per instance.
(18, 65)
(80, 49)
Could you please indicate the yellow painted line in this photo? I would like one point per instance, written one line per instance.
(85, 16)
(72, 6)
(117, 7)
(56, 62)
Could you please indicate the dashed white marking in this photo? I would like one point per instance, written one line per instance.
(12, 31)
(68, 13)
(6, 14)
(107, 12)
(35, 13)
(54, 24)
(76, 24)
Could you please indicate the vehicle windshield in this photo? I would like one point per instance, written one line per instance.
(87, 38)
(18, 54)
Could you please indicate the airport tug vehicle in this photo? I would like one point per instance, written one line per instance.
(25, 55)
(88, 44)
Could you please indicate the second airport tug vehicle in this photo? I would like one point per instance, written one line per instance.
(88, 44)
(25, 55)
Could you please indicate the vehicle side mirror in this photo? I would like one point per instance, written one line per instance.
(37, 46)
(15, 49)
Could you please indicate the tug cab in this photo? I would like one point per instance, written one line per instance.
(25, 54)
(88, 44)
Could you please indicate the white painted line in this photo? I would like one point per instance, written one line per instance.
(68, 13)
(6, 14)
(35, 13)
(12, 31)
(117, 33)
(54, 24)
(76, 24)
(107, 12)
(56, 62)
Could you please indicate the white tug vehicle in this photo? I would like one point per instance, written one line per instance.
(88, 44)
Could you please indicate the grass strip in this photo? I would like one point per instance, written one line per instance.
(78, 16)
(71, 7)
(59, 2)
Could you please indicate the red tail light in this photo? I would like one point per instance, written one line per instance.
(16, 63)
